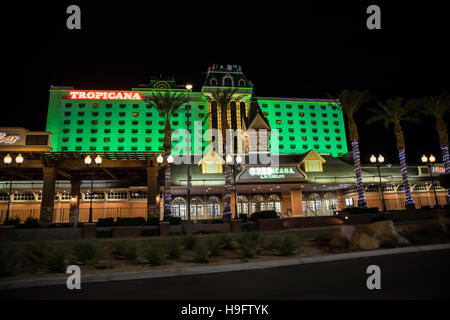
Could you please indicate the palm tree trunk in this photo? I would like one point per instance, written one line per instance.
(409, 201)
(357, 162)
(168, 171)
(441, 128)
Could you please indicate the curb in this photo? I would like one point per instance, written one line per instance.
(216, 269)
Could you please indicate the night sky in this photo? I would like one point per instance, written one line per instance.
(286, 50)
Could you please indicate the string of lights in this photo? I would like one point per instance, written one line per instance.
(409, 201)
(359, 182)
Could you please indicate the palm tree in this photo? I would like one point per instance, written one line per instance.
(350, 101)
(437, 107)
(167, 105)
(223, 98)
(395, 111)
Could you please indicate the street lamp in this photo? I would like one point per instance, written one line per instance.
(234, 165)
(88, 161)
(378, 162)
(431, 160)
(7, 160)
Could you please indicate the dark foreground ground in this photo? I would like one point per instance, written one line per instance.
(423, 275)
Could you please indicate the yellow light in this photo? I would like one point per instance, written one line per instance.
(170, 159)
(88, 160)
(424, 159)
(98, 160)
(7, 159)
(373, 159)
(380, 159)
(160, 159)
(189, 86)
(19, 159)
(432, 158)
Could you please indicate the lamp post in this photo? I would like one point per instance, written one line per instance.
(378, 162)
(160, 160)
(188, 149)
(7, 160)
(88, 162)
(429, 161)
(234, 165)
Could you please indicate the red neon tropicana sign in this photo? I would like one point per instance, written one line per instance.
(104, 95)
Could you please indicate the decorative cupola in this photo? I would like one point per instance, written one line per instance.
(312, 162)
(211, 162)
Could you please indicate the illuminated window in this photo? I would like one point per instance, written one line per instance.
(304, 138)
(301, 114)
(107, 139)
(278, 121)
(135, 114)
(265, 113)
(148, 139)
(349, 202)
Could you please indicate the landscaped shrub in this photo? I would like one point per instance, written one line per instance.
(214, 246)
(322, 239)
(105, 222)
(56, 260)
(136, 221)
(174, 248)
(389, 243)
(10, 259)
(225, 241)
(103, 234)
(201, 254)
(215, 221)
(12, 222)
(37, 252)
(269, 214)
(153, 221)
(414, 237)
(189, 242)
(87, 251)
(174, 220)
(126, 249)
(153, 254)
(31, 222)
(379, 218)
(248, 244)
(284, 245)
(150, 232)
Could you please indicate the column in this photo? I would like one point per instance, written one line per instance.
(74, 206)
(48, 195)
(286, 204)
(233, 201)
(152, 192)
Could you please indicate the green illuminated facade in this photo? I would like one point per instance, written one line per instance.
(86, 125)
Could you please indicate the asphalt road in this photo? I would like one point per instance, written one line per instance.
(423, 275)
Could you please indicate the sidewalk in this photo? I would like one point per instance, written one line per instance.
(174, 272)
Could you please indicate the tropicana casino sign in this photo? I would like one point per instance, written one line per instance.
(104, 95)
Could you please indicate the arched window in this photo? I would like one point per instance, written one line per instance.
(274, 203)
(314, 204)
(241, 83)
(196, 208)
(330, 203)
(258, 203)
(213, 82)
(179, 207)
(213, 205)
(227, 81)
(242, 204)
